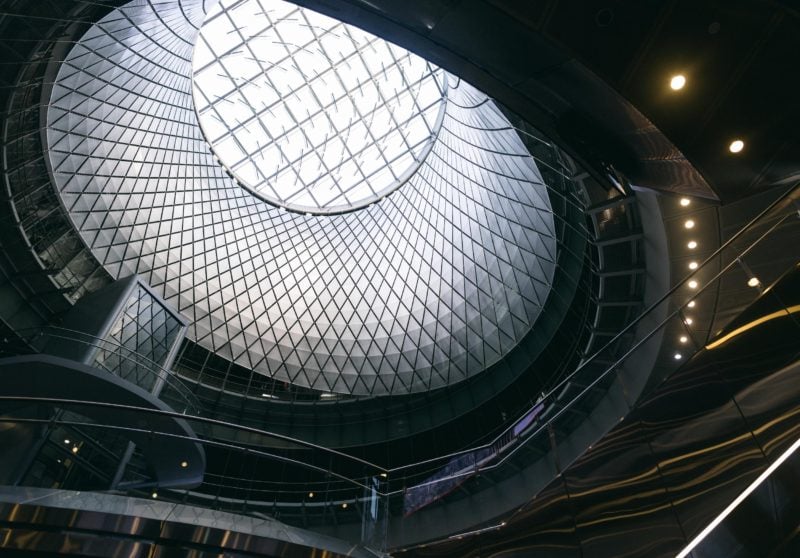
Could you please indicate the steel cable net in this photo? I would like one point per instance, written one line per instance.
(430, 285)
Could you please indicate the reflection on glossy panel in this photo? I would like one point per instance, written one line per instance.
(681, 456)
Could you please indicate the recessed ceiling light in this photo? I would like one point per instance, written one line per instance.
(66, 440)
(691, 304)
(344, 506)
(689, 224)
(692, 284)
(184, 464)
(692, 245)
(683, 339)
(310, 494)
(736, 146)
(692, 265)
(689, 321)
(685, 202)
(677, 356)
(74, 449)
(154, 495)
(753, 282)
(677, 82)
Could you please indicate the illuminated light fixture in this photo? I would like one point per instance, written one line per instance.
(685, 202)
(753, 282)
(692, 265)
(677, 82)
(184, 464)
(677, 356)
(66, 440)
(74, 449)
(689, 224)
(689, 321)
(683, 339)
(738, 500)
(691, 304)
(736, 146)
(384, 475)
(310, 494)
(154, 494)
(344, 506)
(692, 245)
(692, 284)
(268, 396)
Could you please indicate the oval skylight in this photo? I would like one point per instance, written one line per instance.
(307, 112)
(435, 284)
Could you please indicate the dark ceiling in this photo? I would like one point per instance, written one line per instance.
(740, 59)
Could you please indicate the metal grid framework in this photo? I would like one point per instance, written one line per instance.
(144, 327)
(431, 285)
(307, 112)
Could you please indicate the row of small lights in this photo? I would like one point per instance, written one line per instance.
(677, 83)
(692, 283)
(691, 245)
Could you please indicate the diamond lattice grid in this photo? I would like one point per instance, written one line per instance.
(307, 112)
(433, 284)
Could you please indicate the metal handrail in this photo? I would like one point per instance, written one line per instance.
(626, 330)
(32, 335)
(377, 469)
(374, 469)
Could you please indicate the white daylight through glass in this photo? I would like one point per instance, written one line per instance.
(310, 113)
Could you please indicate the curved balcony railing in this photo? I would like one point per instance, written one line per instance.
(739, 261)
(263, 474)
(115, 359)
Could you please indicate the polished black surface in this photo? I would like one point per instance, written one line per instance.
(765, 524)
(677, 460)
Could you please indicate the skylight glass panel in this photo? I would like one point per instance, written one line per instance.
(333, 106)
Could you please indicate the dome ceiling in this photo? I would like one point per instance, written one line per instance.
(419, 289)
